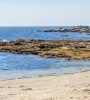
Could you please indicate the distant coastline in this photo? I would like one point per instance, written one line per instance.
(69, 29)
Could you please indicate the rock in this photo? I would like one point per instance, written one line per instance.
(69, 29)
(51, 48)
(21, 40)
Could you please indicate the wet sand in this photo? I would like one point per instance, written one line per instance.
(66, 87)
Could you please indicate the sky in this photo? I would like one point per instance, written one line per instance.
(44, 12)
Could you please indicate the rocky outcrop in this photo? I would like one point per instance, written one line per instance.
(50, 49)
(69, 29)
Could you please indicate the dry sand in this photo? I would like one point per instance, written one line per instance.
(66, 87)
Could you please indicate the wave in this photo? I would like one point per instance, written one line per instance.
(4, 40)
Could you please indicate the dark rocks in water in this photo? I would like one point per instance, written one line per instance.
(81, 29)
(17, 43)
(69, 29)
(51, 48)
(3, 43)
(20, 41)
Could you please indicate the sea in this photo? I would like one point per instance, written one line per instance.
(13, 66)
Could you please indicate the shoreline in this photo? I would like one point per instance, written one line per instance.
(47, 75)
(74, 86)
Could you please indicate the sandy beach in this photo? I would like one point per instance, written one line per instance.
(66, 87)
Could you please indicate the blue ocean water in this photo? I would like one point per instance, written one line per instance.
(19, 66)
(13, 33)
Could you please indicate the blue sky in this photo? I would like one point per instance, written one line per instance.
(44, 12)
